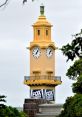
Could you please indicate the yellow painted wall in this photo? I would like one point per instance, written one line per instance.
(42, 64)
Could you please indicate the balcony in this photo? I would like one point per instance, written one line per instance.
(42, 77)
(42, 80)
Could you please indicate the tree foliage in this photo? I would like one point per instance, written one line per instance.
(75, 70)
(11, 112)
(8, 111)
(2, 100)
(77, 87)
(73, 105)
(74, 49)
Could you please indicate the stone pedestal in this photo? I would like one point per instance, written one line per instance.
(31, 106)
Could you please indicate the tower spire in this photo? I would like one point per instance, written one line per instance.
(42, 9)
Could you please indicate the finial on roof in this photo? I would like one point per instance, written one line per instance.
(42, 9)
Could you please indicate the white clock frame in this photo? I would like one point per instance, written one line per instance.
(36, 52)
(49, 52)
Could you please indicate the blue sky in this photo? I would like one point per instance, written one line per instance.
(15, 34)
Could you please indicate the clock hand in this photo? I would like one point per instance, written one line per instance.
(49, 51)
(36, 52)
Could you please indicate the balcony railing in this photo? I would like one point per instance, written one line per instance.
(42, 78)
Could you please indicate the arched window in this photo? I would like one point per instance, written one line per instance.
(46, 32)
(38, 32)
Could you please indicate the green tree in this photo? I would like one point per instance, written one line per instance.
(77, 87)
(8, 111)
(72, 107)
(75, 70)
(73, 104)
(2, 100)
(74, 49)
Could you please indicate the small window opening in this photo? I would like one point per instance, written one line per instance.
(38, 32)
(46, 32)
(50, 74)
(36, 74)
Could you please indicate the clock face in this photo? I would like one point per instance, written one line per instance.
(49, 52)
(36, 52)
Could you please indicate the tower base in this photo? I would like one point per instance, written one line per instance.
(49, 110)
(31, 106)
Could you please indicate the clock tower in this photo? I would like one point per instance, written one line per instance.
(42, 79)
